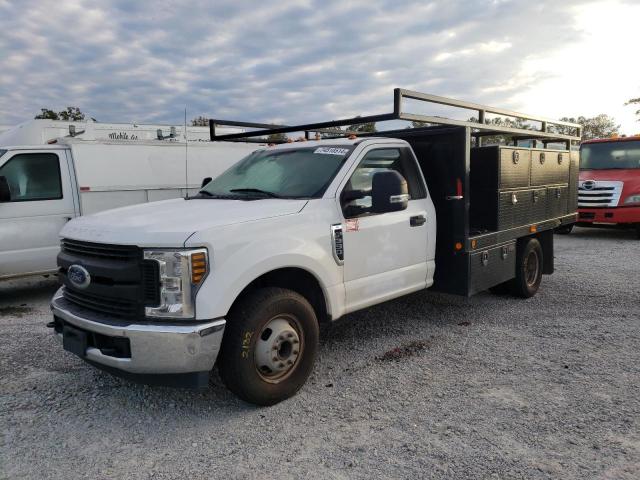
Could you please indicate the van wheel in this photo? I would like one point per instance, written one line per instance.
(269, 346)
(528, 269)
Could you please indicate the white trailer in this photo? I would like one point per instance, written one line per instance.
(44, 186)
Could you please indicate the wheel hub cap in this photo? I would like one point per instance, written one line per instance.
(277, 348)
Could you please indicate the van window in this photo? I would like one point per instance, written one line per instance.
(33, 176)
(383, 159)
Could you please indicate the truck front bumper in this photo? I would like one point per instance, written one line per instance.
(178, 353)
(619, 215)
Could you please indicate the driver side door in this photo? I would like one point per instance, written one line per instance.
(385, 254)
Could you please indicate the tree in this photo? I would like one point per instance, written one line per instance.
(635, 101)
(368, 127)
(600, 126)
(70, 114)
(200, 122)
(47, 114)
(499, 139)
(277, 138)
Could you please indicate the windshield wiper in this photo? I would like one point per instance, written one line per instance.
(256, 190)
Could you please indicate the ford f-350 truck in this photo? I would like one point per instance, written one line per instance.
(241, 274)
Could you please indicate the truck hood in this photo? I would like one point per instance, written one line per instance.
(169, 223)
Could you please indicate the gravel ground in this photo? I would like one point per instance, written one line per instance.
(427, 386)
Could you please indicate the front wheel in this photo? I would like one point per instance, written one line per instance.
(528, 269)
(269, 346)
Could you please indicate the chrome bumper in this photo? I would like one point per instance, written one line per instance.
(156, 348)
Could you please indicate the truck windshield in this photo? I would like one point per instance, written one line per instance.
(607, 155)
(285, 173)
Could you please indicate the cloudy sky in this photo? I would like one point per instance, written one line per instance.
(304, 60)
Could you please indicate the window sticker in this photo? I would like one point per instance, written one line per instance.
(331, 151)
(353, 225)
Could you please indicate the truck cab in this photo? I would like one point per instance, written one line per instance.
(241, 274)
(609, 188)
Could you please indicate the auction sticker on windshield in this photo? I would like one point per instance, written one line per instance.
(331, 151)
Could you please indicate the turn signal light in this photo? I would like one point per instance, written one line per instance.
(533, 229)
(198, 267)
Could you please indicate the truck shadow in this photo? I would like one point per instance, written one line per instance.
(601, 233)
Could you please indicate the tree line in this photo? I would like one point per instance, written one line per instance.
(599, 126)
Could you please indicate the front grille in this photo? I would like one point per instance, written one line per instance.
(98, 250)
(122, 282)
(120, 308)
(599, 193)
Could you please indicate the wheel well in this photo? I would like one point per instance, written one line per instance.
(546, 242)
(296, 279)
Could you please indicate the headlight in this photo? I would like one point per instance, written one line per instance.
(181, 274)
(633, 199)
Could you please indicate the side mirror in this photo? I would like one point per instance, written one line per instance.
(389, 192)
(205, 181)
(5, 192)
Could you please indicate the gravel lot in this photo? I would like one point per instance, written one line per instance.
(427, 386)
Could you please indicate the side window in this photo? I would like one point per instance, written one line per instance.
(356, 195)
(33, 176)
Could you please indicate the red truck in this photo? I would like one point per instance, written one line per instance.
(609, 186)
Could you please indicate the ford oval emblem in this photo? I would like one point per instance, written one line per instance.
(78, 276)
(589, 185)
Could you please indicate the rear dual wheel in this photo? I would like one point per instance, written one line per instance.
(269, 346)
(528, 271)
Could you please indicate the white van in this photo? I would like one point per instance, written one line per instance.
(44, 186)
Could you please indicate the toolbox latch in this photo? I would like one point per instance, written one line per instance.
(485, 258)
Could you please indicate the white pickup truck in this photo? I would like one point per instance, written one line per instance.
(242, 273)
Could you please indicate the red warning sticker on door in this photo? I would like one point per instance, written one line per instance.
(353, 225)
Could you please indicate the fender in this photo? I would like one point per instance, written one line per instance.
(235, 264)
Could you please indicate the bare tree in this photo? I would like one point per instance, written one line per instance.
(635, 101)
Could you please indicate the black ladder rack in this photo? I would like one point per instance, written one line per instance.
(479, 128)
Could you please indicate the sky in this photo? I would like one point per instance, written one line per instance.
(302, 60)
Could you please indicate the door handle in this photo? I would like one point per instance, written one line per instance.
(417, 220)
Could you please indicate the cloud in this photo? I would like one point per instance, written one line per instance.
(293, 61)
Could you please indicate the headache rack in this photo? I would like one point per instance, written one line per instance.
(547, 130)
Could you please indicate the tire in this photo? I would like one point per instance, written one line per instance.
(529, 262)
(269, 346)
(564, 230)
(638, 231)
